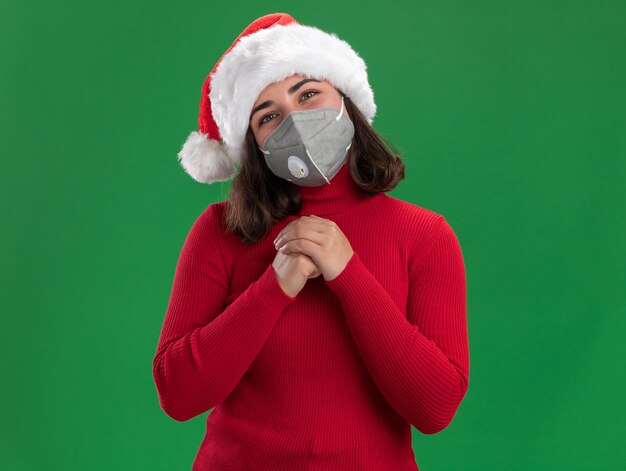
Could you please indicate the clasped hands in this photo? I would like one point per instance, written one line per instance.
(319, 238)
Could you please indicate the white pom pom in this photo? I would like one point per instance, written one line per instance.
(206, 160)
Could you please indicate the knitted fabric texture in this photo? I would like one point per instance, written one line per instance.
(335, 377)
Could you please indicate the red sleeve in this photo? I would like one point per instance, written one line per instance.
(203, 351)
(419, 361)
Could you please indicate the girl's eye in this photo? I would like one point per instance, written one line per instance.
(263, 121)
(307, 92)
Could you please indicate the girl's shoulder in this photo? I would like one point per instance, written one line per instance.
(407, 212)
(210, 225)
(414, 226)
(214, 213)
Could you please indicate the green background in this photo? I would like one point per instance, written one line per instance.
(511, 120)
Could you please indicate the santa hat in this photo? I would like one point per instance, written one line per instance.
(270, 49)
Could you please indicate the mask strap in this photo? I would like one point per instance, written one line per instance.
(340, 111)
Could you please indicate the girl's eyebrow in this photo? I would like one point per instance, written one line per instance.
(292, 90)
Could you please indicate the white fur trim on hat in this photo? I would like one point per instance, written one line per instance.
(272, 54)
(256, 60)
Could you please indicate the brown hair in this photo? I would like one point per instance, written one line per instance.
(258, 198)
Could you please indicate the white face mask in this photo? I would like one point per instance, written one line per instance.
(309, 147)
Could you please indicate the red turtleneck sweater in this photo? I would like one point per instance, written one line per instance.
(333, 378)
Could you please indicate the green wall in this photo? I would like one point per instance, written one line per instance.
(511, 119)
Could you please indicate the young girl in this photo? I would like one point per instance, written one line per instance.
(317, 316)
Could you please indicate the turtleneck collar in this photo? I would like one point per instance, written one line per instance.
(331, 198)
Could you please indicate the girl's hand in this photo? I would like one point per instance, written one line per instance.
(319, 238)
(292, 271)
